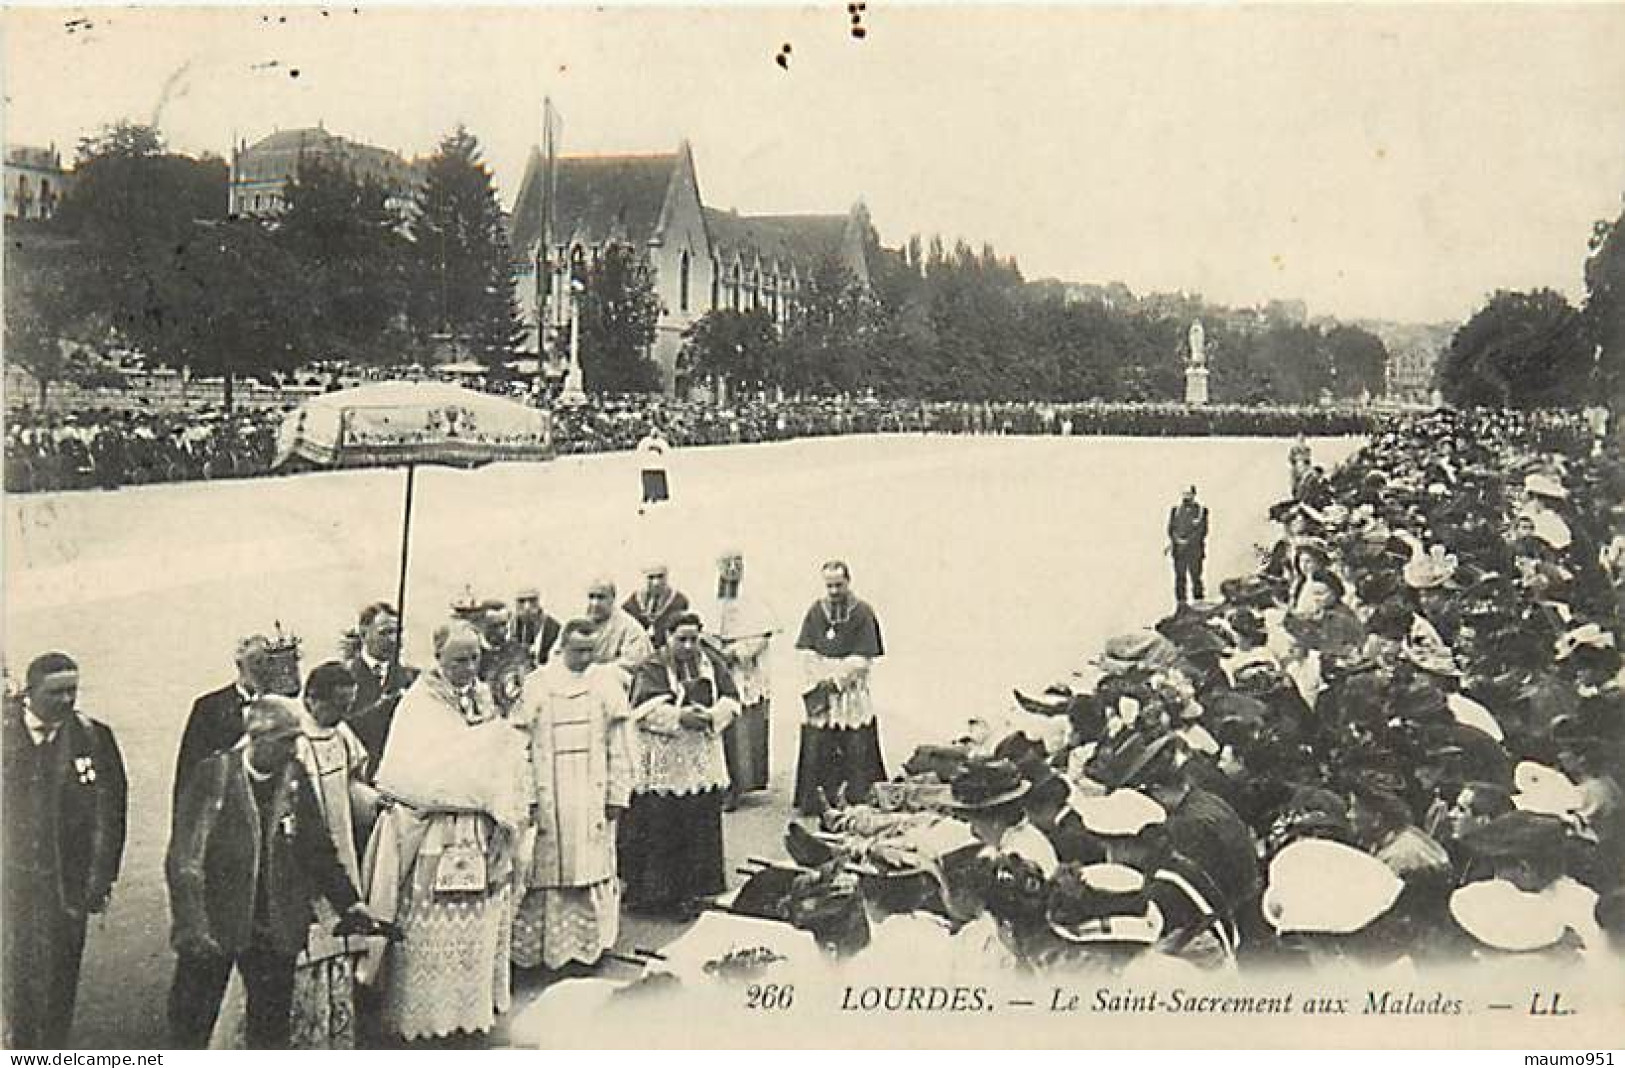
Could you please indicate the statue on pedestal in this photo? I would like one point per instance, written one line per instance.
(1196, 372)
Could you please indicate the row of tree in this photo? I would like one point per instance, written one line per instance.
(944, 323)
(1535, 349)
(143, 254)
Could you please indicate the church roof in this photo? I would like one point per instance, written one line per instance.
(599, 198)
(797, 239)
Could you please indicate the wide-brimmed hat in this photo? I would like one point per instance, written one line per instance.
(1139, 649)
(1499, 915)
(1544, 791)
(1469, 713)
(1120, 814)
(1590, 635)
(1317, 886)
(1431, 570)
(1543, 485)
(1098, 904)
(1131, 758)
(986, 783)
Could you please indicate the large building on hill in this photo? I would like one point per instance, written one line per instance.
(261, 171)
(35, 182)
(702, 258)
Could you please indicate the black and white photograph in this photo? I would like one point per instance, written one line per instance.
(875, 525)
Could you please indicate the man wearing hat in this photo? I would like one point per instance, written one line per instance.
(657, 604)
(988, 795)
(64, 808)
(215, 722)
(1187, 544)
(1200, 826)
(1544, 495)
(249, 854)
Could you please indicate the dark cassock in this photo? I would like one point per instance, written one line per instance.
(670, 840)
(214, 724)
(64, 796)
(840, 739)
(656, 615)
(378, 688)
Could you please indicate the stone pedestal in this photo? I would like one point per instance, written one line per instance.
(1196, 385)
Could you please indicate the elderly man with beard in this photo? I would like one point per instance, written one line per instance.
(618, 639)
(249, 856)
(671, 844)
(216, 720)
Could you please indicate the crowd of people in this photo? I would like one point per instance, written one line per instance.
(1394, 743)
(108, 449)
(105, 449)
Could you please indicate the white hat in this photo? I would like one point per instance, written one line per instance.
(1545, 791)
(1120, 814)
(1590, 634)
(1501, 916)
(1470, 713)
(1322, 887)
(1538, 485)
(1430, 571)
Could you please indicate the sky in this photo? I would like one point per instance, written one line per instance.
(1377, 162)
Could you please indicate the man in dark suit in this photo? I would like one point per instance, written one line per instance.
(249, 855)
(216, 720)
(533, 627)
(380, 679)
(1187, 544)
(64, 798)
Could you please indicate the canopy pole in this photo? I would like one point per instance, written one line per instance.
(406, 544)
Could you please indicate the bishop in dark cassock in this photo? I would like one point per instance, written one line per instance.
(840, 739)
(64, 808)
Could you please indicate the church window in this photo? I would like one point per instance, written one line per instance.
(682, 282)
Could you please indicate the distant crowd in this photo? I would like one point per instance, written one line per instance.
(108, 449)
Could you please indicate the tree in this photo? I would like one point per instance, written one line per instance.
(131, 207)
(823, 346)
(619, 311)
(1359, 361)
(741, 348)
(1521, 350)
(463, 281)
(1605, 308)
(44, 324)
(348, 239)
(230, 301)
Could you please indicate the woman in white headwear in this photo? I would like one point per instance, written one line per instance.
(442, 859)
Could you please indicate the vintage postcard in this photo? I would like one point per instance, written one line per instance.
(869, 525)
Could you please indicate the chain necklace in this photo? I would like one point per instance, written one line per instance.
(836, 617)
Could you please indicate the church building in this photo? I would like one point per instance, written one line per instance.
(702, 258)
